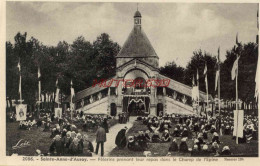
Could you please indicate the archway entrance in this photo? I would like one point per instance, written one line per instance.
(113, 109)
(159, 109)
(136, 105)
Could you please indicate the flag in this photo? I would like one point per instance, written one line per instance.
(218, 59)
(108, 91)
(206, 80)
(238, 123)
(39, 75)
(234, 69)
(57, 83)
(216, 80)
(19, 65)
(39, 72)
(257, 81)
(197, 77)
(20, 81)
(57, 95)
(42, 97)
(237, 39)
(72, 91)
(195, 93)
(193, 81)
(257, 22)
(217, 72)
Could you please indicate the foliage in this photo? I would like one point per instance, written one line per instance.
(78, 62)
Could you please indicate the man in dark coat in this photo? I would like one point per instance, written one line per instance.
(121, 138)
(105, 125)
(100, 139)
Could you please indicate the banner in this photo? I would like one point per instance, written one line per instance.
(238, 123)
(72, 106)
(21, 110)
(58, 112)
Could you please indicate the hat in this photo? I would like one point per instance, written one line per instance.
(75, 140)
(196, 141)
(174, 140)
(125, 128)
(131, 139)
(215, 134)
(205, 147)
(195, 146)
(38, 151)
(225, 148)
(57, 137)
(166, 131)
(215, 145)
(184, 139)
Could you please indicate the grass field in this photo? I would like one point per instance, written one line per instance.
(161, 149)
(37, 138)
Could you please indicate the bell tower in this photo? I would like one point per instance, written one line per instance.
(137, 18)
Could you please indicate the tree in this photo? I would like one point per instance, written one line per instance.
(198, 61)
(246, 72)
(173, 71)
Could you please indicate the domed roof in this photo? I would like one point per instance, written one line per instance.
(137, 14)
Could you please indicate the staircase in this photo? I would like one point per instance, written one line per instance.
(177, 107)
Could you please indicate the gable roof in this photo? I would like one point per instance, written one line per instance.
(137, 45)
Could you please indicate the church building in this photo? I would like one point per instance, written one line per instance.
(137, 60)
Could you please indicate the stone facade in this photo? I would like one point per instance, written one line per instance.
(137, 60)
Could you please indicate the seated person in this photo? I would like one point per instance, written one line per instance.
(173, 147)
(205, 135)
(121, 138)
(227, 130)
(156, 137)
(185, 133)
(66, 141)
(165, 136)
(133, 144)
(147, 136)
(88, 148)
(183, 145)
(215, 138)
(176, 132)
(198, 143)
(214, 148)
(75, 148)
(56, 147)
(225, 151)
(39, 123)
(205, 150)
(141, 139)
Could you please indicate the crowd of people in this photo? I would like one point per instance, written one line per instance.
(202, 132)
(197, 135)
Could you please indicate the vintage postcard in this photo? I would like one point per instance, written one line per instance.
(130, 83)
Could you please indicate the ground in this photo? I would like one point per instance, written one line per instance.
(37, 138)
(161, 149)
(41, 140)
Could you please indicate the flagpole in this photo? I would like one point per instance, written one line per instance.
(219, 89)
(20, 88)
(71, 101)
(237, 103)
(198, 81)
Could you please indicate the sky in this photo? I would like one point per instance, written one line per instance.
(174, 29)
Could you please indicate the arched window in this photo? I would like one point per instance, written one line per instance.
(113, 109)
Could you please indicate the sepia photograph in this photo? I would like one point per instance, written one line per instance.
(132, 79)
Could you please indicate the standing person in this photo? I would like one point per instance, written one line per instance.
(105, 124)
(100, 139)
